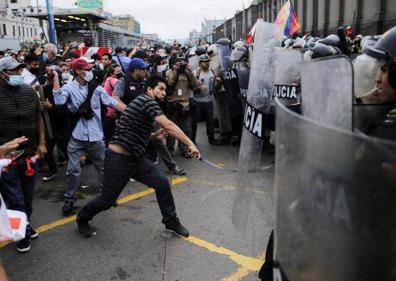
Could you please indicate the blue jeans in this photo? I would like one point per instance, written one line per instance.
(17, 189)
(94, 150)
(117, 172)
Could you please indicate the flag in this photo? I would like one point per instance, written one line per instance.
(250, 37)
(287, 19)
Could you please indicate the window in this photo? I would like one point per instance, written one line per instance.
(4, 29)
(19, 30)
(31, 32)
(35, 31)
(31, 10)
(23, 31)
(13, 30)
(14, 1)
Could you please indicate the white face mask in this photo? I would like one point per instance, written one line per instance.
(88, 75)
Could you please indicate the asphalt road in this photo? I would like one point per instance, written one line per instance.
(131, 243)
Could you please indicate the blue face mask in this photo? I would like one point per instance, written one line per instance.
(45, 56)
(65, 76)
(15, 80)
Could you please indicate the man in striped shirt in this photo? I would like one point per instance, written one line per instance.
(125, 158)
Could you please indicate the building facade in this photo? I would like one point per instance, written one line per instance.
(209, 29)
(126, 22)
(318, 17)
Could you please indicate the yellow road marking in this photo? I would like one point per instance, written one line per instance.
(249, 263)
(242, 272)
(121, 201)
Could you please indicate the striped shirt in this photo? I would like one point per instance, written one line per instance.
(19, 109)
(135, 125)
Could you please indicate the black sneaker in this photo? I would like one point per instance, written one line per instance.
(23, 246)
(49, 176)
(84, 228)
(33, 233)
(67, 208)
(177, 171)
(178, 229)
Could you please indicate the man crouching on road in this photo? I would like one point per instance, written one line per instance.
(125, 158)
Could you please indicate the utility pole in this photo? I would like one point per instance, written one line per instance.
(51, 22)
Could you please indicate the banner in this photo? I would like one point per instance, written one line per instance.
(90, 6)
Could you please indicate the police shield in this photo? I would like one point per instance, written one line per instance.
(335, 210)
(243, 73)
(327, 91)
(287, 81)
(193, 62)
(287, 78)
(224, 53)
(257, 106)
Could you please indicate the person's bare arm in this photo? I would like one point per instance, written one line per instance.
(174, 131)
(11, 145)
(41, 149)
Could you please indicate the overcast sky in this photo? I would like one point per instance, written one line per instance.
(171, 19)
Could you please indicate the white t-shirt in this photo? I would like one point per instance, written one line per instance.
(206, 79)
(28, 77)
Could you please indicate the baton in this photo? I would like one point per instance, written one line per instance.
(206, 161)
(210, 163)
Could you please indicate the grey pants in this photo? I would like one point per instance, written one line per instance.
(95, 151)
(157, 147)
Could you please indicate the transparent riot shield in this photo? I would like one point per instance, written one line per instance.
(257, 106)
(335, 209)
(366, 115)
(224, 53)
(287, 77)
(243, 71)
(327, 91)
(193, 62)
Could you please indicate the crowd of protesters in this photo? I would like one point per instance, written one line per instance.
(68, 106)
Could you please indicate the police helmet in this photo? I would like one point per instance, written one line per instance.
(239, 44)
(385, 50)
(223, 41)
(200, 50)
(238, 53)
(331, 40)
(212, 50)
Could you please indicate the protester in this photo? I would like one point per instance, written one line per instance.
(126, 159)
(83, 99)
(32, 69)
(203, 99)
(59, 121)
(20, 115)
(180, 81)
(132, 84)
(114, 73)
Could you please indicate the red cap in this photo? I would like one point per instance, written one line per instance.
(81, 64)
